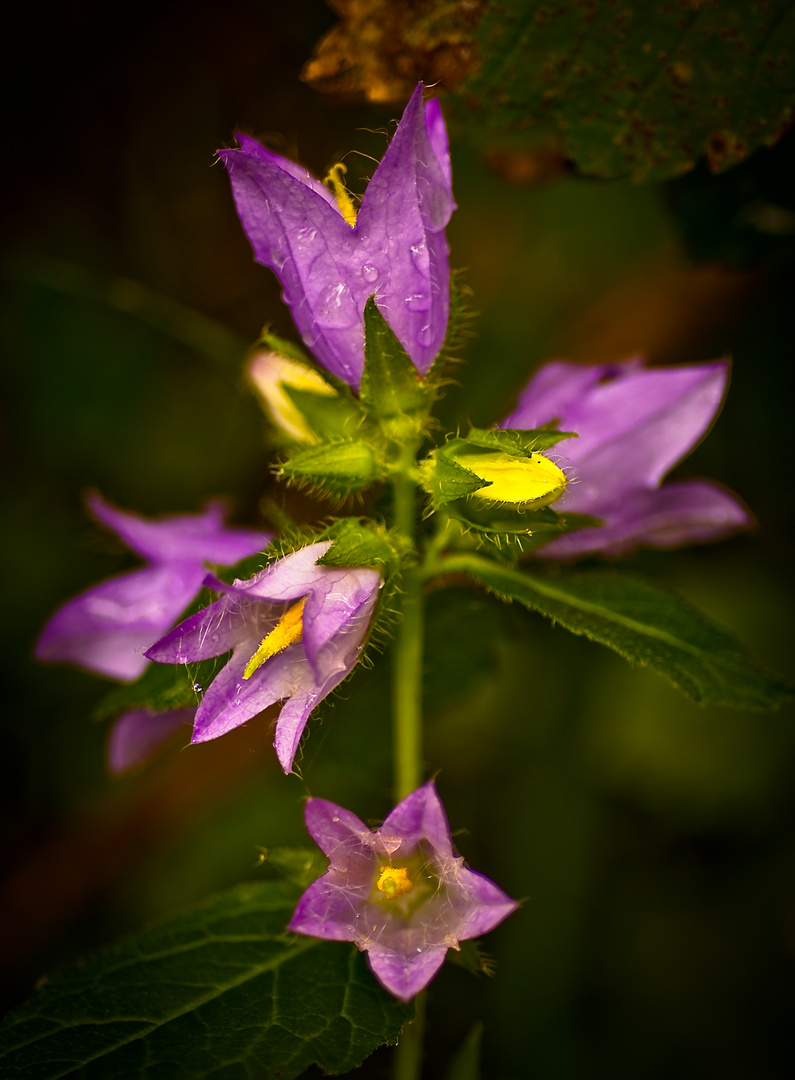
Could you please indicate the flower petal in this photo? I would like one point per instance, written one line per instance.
(691, 512)
(421, 816)
(137, 734)
(181, 538)
(214, 630)
(108, 628)
(405, 976)
(401, 225)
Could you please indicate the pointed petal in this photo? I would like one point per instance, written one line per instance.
(421, 816)
(304, 176)
(108, 628)
(295, 231)
(214, 630)
(405, 976)
(335, 830)
(556, 387)
(401, 225)
(181, 537)
(488, 905)
(230, 700)
(327, 911)
(340, 606)
(691, 512)
(137, 734)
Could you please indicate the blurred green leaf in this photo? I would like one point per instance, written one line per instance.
(357, 544)
(219, 989)
(642, 623)
(638, 89)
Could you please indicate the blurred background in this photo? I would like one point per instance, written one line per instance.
(653, 842)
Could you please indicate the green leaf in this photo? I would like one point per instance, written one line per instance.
(392, 391)
(161, 687)
(358, 544)
(640, 89)
(286, 348)
(641, 622)
(298, 865)
(445, 480)
(339, 468)
(528, 529)
(220, 989)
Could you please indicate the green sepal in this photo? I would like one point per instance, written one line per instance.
(445, 480)
(393, 394)
(514, 441)
(357, 543)
(337, 468)
(219, 989)
(286, 348)
(526, 529)
(161, 687)
(329, 417)
(298, 865)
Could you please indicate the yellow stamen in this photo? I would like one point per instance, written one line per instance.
(286, 631)
(341, 194)
(517, 480)
(394, 881)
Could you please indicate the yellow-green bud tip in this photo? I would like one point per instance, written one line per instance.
(516, 480)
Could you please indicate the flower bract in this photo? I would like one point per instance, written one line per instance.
(634, 424)
(107, 628)
(329, 259)
(400, 892)
(295, 630)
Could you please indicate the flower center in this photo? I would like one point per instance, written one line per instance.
(394, 881)
(517, 480)
(286, 631)
(341, 194)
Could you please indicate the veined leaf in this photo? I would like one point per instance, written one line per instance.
(641, 622)
(219, 990)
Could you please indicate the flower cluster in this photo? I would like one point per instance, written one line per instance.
(400, 893)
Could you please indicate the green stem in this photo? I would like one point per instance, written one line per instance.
(407, 688)
(407, 1060)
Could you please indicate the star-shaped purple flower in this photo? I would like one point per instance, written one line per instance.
(634, 424)
(329, 259)
(107, 628)
(400, 893)
(295, 630)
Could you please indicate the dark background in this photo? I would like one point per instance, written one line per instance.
(652, 841)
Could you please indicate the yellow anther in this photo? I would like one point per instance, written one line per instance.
(341, 194)
(286, 631)
(517, 480)
(394, 881)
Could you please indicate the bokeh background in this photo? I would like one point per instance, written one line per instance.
(653, 842)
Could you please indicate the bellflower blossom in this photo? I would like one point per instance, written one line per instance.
(634, 424)
(400, 893)
(295, 630)
(329, 259)
(107, 628)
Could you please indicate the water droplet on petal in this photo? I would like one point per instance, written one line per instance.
(418, 302)
(369, 272)
(424, 335)
(334, 308)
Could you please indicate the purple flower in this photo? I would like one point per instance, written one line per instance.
(634, 424)
(139, 733)
(329, 260)
(399, 893)
(295, 630)
(107, 628)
